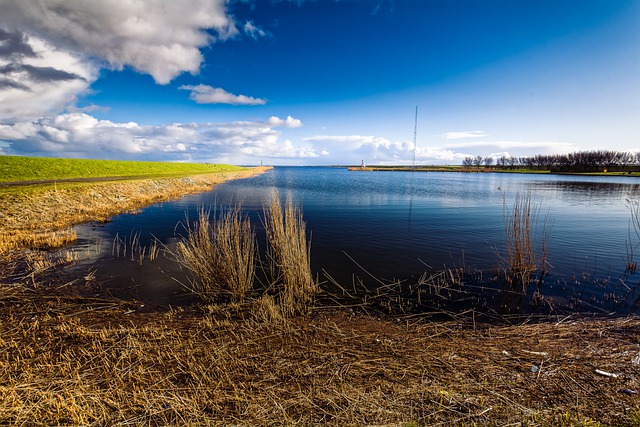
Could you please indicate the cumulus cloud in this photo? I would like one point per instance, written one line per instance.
(464, 135)
(51, 51)
(203, 94)
(82, 135)
(289, 122)
(156, 37)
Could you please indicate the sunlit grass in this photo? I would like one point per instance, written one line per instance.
(20, 168)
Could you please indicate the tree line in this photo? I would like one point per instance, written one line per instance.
(580, 161)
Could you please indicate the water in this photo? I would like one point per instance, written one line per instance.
(396, 225)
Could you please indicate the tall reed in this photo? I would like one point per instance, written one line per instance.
(220, 252)
(289, 256)
(526, 243)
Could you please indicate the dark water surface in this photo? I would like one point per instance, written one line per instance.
(396, 225)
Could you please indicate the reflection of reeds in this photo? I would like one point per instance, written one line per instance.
(220, 253)
(289, 254)
(523, 256)
(132, 247)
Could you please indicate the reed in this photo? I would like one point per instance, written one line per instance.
(132, 248)
(289, 256)
(526, 243)
(634, 207)
(220, 253)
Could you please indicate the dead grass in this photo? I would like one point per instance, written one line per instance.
(289, 255)
(42, 217)
(82, 361)
(220, 252)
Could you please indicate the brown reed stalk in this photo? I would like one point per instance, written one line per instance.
(525, 256)
(518, 228)
(289, 255)
(220, 253)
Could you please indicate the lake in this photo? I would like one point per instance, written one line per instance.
(397, 225)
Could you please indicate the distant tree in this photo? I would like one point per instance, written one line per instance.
(467, 162)
(488, 161)
(502, 162)
(477, 161)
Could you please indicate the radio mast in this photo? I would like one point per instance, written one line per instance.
(415, 133)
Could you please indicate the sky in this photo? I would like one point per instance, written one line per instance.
(318, 82)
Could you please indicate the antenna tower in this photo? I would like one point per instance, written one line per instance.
(415, 133)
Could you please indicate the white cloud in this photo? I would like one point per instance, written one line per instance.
(350, 149)
(464, 135)
(253, 31)
(505, 145)
(203, 94)
(81, 135)
(157, 37)
(289, 122)
(51, 51)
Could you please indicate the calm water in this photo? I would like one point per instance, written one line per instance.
(396, 225)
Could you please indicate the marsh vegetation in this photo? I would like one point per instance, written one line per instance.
(270, 344)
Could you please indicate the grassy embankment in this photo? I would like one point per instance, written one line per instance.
(59, 193)
(18, 168)
(68, 360)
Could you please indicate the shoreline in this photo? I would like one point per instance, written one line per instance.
(43, 218)
(457, 169)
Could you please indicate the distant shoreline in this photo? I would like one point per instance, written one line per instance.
(460, 169)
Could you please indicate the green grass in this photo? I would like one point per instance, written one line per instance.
(19, 168)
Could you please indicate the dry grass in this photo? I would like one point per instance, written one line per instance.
(289, 255)
(81, 361)
(220, 252)
(41, 217)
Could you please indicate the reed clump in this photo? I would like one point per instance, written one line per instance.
(289, 257)
(526, 243)
(220, 252)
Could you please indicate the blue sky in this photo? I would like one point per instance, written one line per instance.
(318, 82)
